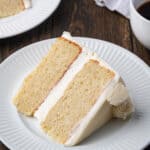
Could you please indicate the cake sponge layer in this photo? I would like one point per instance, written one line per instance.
(10, 7)
(79, 97)
(38, 84)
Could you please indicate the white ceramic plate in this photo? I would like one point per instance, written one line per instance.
(19, 132)
(27, 19)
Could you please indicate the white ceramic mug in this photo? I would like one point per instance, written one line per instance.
(140, 25)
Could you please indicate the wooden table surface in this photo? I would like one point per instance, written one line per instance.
(81, 18)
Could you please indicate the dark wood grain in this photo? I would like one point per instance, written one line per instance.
(3, 147)
(140, 51)
(81, 18)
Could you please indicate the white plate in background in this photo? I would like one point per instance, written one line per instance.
(20, 132)
(27, 19)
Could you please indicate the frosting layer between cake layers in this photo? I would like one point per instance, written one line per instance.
(58, 91)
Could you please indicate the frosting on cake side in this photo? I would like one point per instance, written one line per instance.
(27, 4)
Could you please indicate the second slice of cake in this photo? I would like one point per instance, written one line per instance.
(13, 7)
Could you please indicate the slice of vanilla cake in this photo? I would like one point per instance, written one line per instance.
(12, 7)
(38, 84)
(88, 96)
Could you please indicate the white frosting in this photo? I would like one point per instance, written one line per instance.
(27, 4)
(110, 92)
(116, 98)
